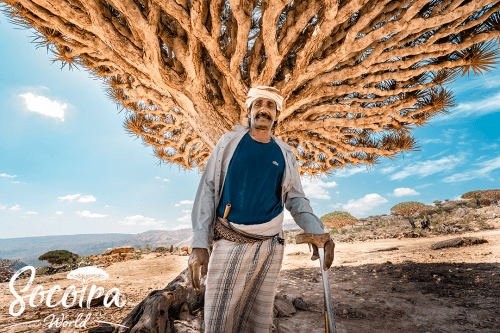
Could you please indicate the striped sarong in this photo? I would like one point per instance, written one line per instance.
(241, 282)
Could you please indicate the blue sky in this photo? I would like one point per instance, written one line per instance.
(74, 170)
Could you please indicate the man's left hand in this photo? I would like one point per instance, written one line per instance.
(329, 254)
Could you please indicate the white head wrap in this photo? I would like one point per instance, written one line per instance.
(265, 92)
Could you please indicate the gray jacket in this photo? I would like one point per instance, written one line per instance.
(212, 183)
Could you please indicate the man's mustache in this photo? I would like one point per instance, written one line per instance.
(263, 115)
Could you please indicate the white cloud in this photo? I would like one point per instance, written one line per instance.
(185, 218)
(492, 146)
(86, 213)
(166, 180)
(3, 207)
(30, 212)
(69, 197)
(476, 108)
(425, 168)
(186, 211)
(439, 154)
(16, 207)
(184, 202)
(349, 172)
(6, 175)
(87, 198)
(182, 226)
(107, 205)
(424, 185)
(315, 188)
(141, 220)
(17, 182)
(432, 141)
(43, 105)
(483, 172)
(59, 213)
(363, 205)
(399, 192)
(158, 177)
(388, 169)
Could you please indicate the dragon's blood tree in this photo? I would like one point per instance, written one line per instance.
(483, 197)
(408, 209)
(357, 75)
(338, 220)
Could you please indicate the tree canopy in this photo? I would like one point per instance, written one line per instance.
(357, 75)
(59, 257)
(338, 219)
(408, 208)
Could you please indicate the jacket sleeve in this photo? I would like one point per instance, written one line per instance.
(204, 204)
(298, 205)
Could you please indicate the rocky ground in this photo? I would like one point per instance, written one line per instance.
(377, 285)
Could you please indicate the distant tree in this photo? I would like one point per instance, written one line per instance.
(476, 194)
(407, 209)
(59, 257)
(7, 269)
(338, 219)
(438, 203)
(161, 249)
(148, 248)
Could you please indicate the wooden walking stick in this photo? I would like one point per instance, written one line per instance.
(320, 240)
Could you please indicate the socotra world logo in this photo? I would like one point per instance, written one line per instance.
(85, 275)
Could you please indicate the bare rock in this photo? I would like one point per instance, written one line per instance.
(284, 306)
(300, 304)
(461, 212)
(185, 248)
(119, 250)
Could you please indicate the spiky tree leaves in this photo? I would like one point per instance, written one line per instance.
(357, 75)
(409, 208)
(476, 194)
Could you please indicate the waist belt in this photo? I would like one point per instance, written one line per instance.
(224, 230)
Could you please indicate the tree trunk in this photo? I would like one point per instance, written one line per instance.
(412, 223)
(157, 312)
(478, 203)
(425, 223)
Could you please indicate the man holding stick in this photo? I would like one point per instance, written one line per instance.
(255, 174)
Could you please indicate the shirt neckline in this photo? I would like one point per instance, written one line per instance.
(262, 143)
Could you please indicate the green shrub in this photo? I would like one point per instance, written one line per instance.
(161, 249)
(334, 231)
(59, 257)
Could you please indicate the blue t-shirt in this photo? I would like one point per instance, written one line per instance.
(253, 182)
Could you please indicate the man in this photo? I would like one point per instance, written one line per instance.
(257, 174)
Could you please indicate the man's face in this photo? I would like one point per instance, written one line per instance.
(263, 113)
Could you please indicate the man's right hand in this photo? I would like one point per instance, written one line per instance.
(198, 258)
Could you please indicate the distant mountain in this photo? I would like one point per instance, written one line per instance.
(28, 249)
